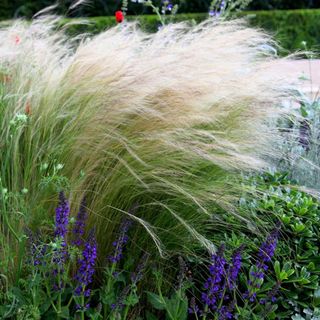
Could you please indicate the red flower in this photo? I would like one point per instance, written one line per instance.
(17, 39)
(119, 16)
(28, 108)
(5, 78)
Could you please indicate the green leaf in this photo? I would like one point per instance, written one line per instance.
(64, 313)
(277, 270)
(303, 111)
(156, 301)
(316, 298)
(45, 305)
(290, 273)
(20, 296)
(150, 316)
(132, 299)
(283, 276)
(177, 307)
(286, 266)
(299, 227)
(108, 298)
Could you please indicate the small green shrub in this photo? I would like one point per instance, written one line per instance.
(299, 214)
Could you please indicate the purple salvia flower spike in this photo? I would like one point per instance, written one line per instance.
(135, 278)
(122, 239)
(265, 255)
(79, 227)
(267, 250)
(60, 253)
(226, 312)
(234, 268)
(62, 217)
(138, 274)
(215, 283)
(193, 308)
(36, 249)
(86, 269)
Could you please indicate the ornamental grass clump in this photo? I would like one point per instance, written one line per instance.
(168, 121)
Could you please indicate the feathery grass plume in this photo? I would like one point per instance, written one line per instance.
(167, 120)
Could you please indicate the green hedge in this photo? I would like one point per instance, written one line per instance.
(149, 23)
(290, 27)
(27, 8)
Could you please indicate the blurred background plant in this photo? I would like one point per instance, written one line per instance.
(303, 152)
(18, 8)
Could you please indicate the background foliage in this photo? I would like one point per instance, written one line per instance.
(289, 27)
(16, 8)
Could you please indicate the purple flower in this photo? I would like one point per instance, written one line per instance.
(253, 297)
(86, 269)
(120, 303)
(60, 251)
(79, 227)
(217, 11)
(226, 311)
(38, 258)
(193, 308)
(265, 254)
(235, 267)
(138, 274)
(215, 283)
(82, 308)
(166, 6)
(271, 296)
(267, 249)
(182, 273)
(135, 278)
(227, 307)
(305, 134)
(121, 241)
(62, 217)
(36, 248)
